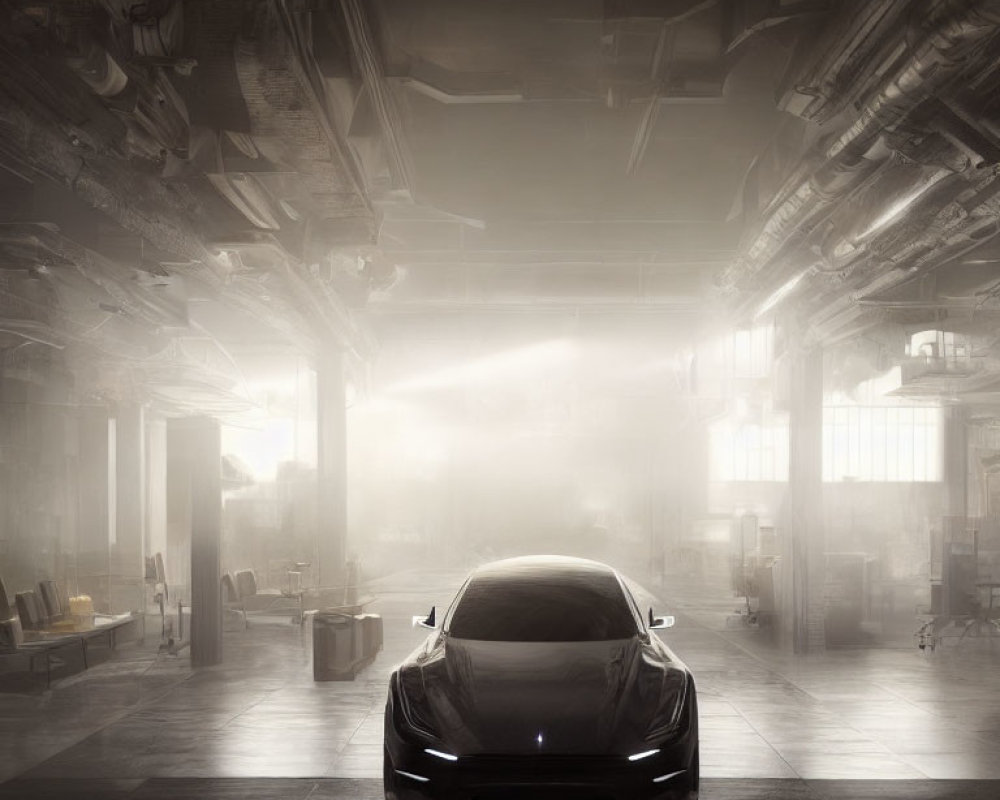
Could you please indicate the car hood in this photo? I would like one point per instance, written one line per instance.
(543, 697)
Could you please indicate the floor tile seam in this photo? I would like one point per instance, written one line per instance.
(114, 720)
(315, 788)
(150, 749)
(250, 707)
(766, 741)
(902, 697)
(865, 735)
(144, 703)
(356, 729)
(35, 764)
(776, 670)
(137, 787)
(784, 677)
(765, 665)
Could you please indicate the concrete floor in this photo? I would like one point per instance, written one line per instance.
(852, 723)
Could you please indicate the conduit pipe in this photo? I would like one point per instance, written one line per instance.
(889, 202)
(954, 30)
(32, 331)
(383, 102)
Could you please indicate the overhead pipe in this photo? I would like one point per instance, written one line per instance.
(451, 98)
(893, 200)
(833, 316)
(956, 28)
(32, 331)
(312, 299)
(75, 157)
(50, 248)
(955, 31)
(855, 41)
(297, 28)
(380, 94)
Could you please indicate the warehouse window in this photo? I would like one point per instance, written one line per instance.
(892, 443)
(749, 352)
(943, 346)
(749, 452)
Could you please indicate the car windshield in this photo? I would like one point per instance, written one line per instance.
(573, 608)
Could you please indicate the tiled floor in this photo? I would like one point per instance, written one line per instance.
(370, 789)
(145, 726)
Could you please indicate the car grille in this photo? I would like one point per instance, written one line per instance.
(542, 765)
(526, 793)
(525, 777)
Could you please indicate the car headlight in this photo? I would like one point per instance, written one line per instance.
(668, 716)
(413, 704)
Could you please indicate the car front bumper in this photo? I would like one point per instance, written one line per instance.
(418, 775)
(541, 778)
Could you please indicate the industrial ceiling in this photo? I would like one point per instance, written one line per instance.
(189, 186)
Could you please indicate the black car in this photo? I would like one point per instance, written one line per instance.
(543, 681)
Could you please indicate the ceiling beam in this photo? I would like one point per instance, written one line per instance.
(380, 94)
(532, 306)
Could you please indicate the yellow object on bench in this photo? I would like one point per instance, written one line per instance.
(81, 611)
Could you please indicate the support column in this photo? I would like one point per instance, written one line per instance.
(195, 491)
(956, 521)
(956, 461)
(331, 478)
(690, 477)
(206, 543)
(177, 555)
(156, 487)
(805, 489)
(93, 543)
(127, 590)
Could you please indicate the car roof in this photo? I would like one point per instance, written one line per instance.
(543, 566)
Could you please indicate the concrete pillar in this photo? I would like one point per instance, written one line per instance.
(331, 482)
(127, 589)
(156, 487)
(177, 556)
(206, 544)
(805, 490)
(194, 502)
(656, 509)
(93, 544)
(956, 521)
(956, 461)
(692, 480)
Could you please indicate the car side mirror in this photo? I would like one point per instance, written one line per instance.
(430, 621)
(659, 623)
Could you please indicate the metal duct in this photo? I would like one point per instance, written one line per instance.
(380, 95)
(33, 331)
(99, 70)
(955, 29)
(901, 188)
(43, 244)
